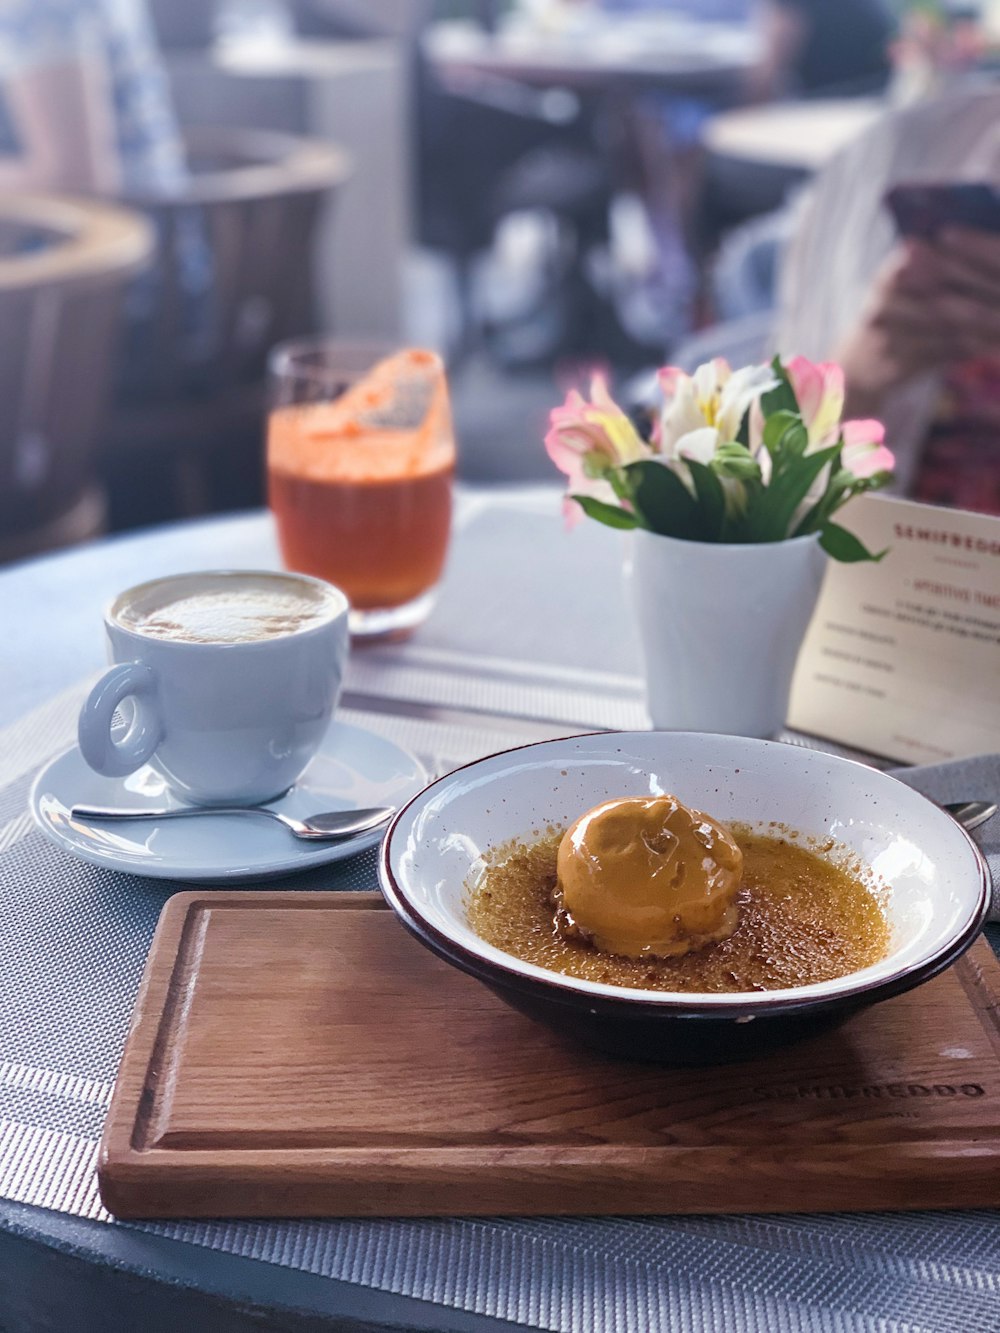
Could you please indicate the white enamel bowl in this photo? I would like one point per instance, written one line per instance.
(938, 883)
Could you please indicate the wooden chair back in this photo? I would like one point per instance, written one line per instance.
(252, 203)
(63, 266)
(186, 434)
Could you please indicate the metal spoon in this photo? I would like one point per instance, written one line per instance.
(328, 825)
(970, 814)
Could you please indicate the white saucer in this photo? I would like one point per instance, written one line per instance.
(354, 768)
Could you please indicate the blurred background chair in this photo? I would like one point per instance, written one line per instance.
(64, 265)
(185, 435)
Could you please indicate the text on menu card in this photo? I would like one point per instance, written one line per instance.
(902, 658)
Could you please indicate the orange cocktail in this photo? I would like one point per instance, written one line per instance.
(360, 487)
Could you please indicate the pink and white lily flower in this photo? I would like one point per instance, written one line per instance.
(819, 388)
(704, 420)
(864, 453)
(586, 439)
(706, 409)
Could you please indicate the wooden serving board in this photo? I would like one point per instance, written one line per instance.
(298, 1054)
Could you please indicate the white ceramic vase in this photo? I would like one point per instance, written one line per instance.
(720, 628)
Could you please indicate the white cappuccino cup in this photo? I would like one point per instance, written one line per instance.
(228, 680)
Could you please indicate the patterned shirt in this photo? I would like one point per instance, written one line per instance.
(959, 464)
(118, 33)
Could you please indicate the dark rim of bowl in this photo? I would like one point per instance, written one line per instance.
(769, 1003)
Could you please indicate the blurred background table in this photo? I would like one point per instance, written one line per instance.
(665, 51)
(531, 638)
(797, 138)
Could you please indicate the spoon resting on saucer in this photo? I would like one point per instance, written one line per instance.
(326, 826)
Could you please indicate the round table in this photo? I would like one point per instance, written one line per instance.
(793, 137)
(599, 52)
(531, 637)
(60, 1271)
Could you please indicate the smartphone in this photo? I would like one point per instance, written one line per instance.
(923, 210)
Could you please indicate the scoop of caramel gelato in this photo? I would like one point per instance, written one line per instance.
(647, 876)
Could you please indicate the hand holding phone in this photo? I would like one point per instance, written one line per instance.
(932, 303)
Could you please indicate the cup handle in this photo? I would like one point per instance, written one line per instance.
(110, 757)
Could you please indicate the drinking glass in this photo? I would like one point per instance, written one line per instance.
(360, 462)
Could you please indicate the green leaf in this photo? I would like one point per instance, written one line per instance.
(832, 498)
(813, 518)
(853, 486)
(619, 484)
(610, 515)
(782, 398)
(743, 434)
(775, 427)
(785, 438)
(711, 498)
(841, 479)
(877, 480)
(844, 546)
(736, 461)
(777, 503)
(741, 496)
(794, 442)
(664, 503)
(731, 449)
(842, 487)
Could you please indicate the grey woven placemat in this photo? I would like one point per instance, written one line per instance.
(73, 941)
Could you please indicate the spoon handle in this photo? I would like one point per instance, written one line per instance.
(970, 814)
(324, 826)
(175, 812)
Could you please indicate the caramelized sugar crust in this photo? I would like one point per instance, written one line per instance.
(804, 917)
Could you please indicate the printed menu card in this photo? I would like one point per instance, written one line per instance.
(902, 658)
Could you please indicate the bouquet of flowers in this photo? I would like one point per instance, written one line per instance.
(752, 455)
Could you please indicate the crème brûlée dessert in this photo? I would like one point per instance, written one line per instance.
(647, 877)
(646, 892)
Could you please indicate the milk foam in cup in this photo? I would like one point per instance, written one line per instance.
(229, 678)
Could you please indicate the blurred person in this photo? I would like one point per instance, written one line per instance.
(807, 47)
(915, 323)
(822, 47)
(85, 102)
(663, 132)
(362, 18)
